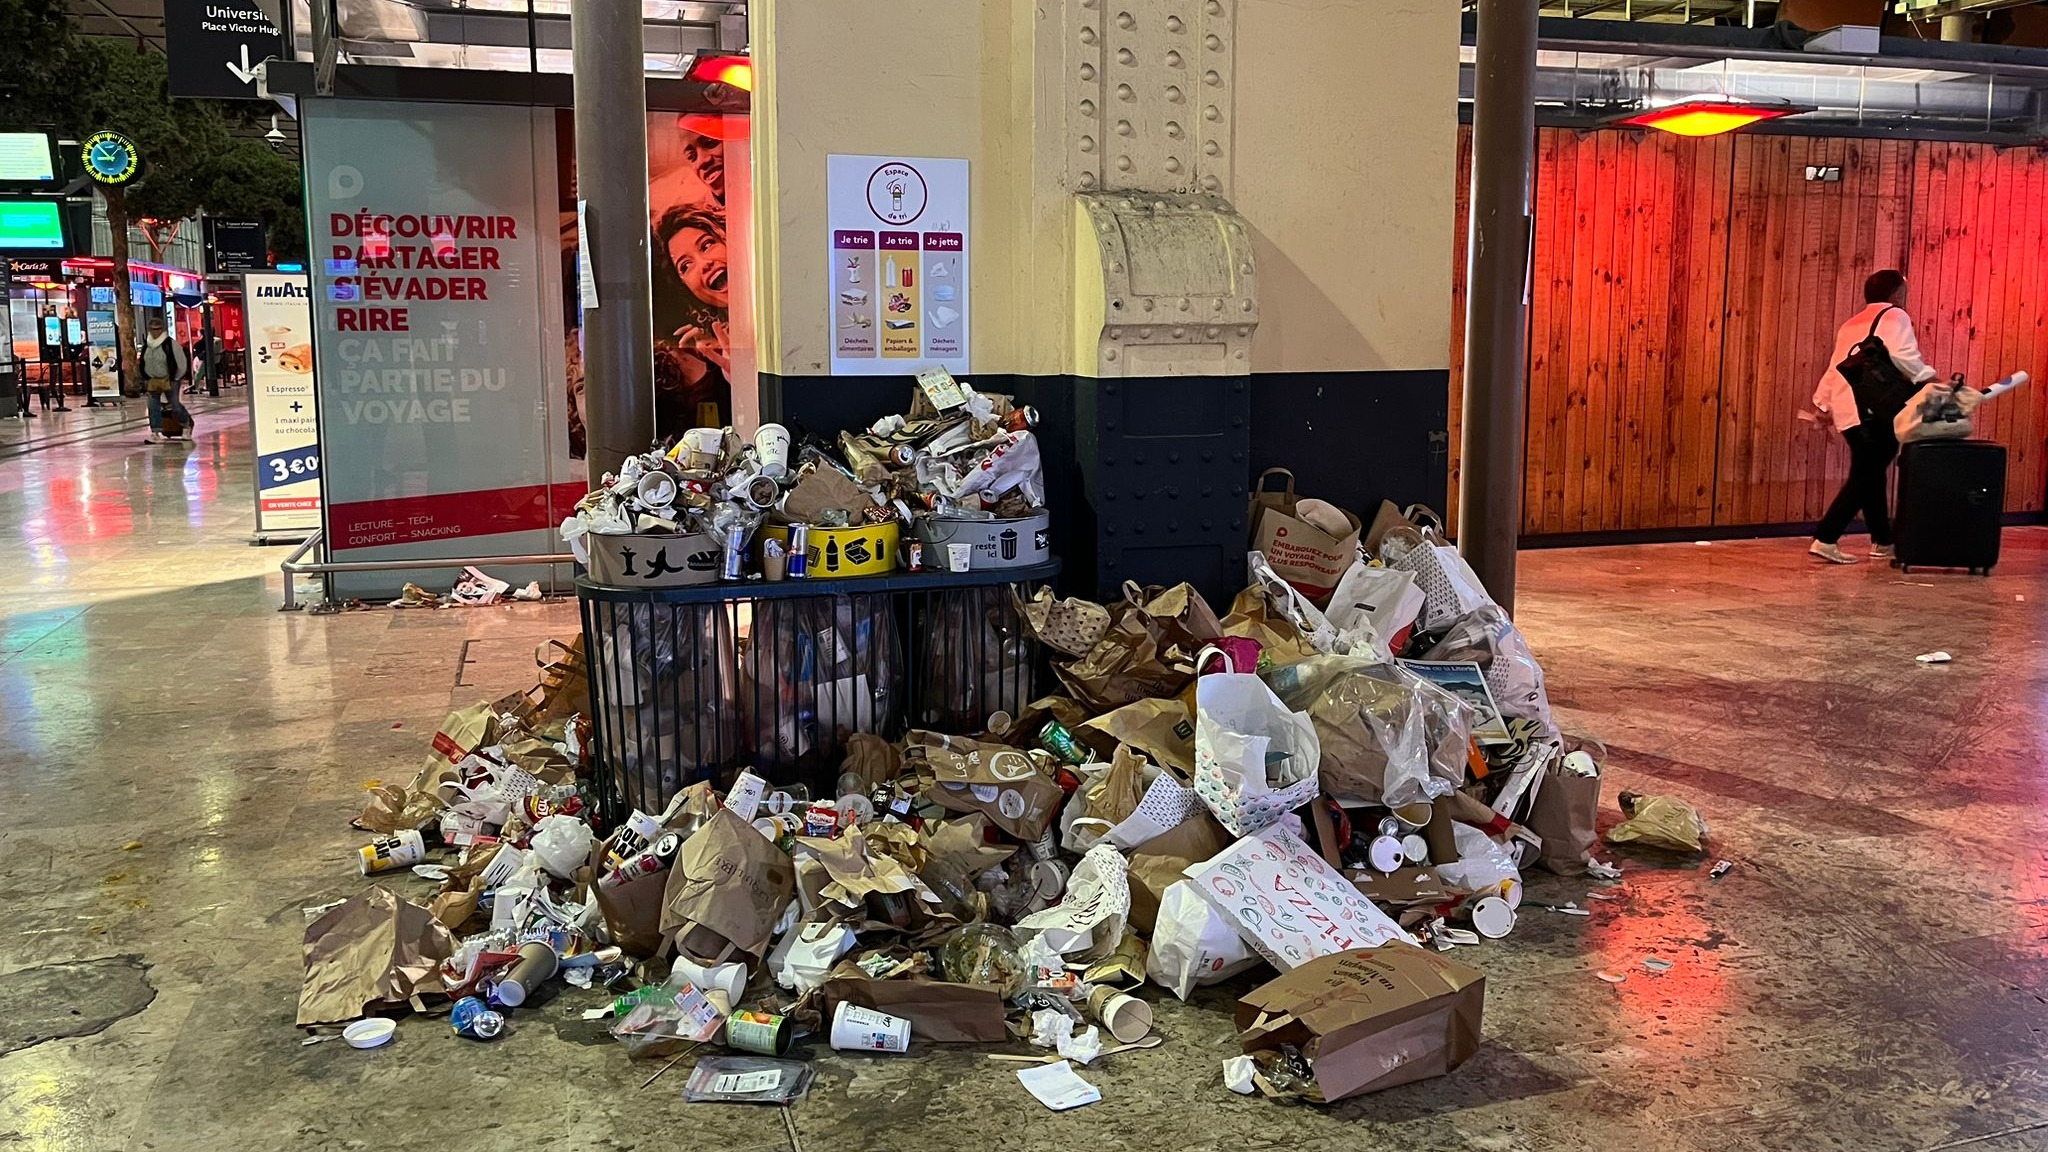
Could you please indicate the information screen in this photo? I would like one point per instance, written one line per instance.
(26, 157)
(31, 226)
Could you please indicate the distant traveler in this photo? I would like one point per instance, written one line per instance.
(164, 365)
(1868, 430)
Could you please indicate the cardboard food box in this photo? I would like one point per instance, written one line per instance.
(861, 550)
(1016, 543)
(653, 561)
(1371, 1018)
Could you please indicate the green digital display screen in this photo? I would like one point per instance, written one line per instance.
(31, 226)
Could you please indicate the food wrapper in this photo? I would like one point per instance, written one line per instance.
(1659, 822)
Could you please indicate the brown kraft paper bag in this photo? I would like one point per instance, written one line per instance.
(726, 890)
(1300, 553)
(939, 1012)
(1563, 814)
(1148, 651)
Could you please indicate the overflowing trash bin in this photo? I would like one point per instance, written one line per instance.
(757, 818)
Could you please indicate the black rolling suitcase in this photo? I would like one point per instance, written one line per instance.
(1951, 504)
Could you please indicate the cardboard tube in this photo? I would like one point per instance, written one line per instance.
(1443, 845)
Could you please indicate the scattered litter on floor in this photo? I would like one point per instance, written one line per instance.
(764, 871)
(1934, 658)
(1721, 868)
(1612, 977)
(131, 846)
(1657, 966)
(371, 1033)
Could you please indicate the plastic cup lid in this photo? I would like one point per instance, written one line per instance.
(1385, 854)
(370, 1033)
(1493, 918)
(1415, 848)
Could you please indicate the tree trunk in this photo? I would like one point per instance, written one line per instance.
(124, 312)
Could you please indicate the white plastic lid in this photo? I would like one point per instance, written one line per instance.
(1385, 854)
(1493, 918)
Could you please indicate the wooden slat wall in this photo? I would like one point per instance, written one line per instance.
(1685, 296)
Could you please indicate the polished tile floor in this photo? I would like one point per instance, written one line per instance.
(180, 760)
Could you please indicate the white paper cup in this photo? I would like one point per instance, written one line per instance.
(959, 557)
(858, 1029)
(388, 853)
(1126, 1017)
(728, 980)
(537, 965)
(771, 444)
(656, 489)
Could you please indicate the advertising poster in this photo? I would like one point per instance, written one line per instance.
(282, 399)
(898, 256)
(103, 354)
(437, 340)
(688, 155)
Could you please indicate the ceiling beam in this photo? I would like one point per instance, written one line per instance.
(123, 21)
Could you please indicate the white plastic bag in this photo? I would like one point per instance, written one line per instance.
(561, 844)
(1484, 866)
(1255, 759)
(1088, 922)
(1193, 944)
(1376, 602)
(1450, 588)
(1487, 637)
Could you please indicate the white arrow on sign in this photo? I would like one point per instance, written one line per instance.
(244, 73)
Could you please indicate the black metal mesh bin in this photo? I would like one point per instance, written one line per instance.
(695, 683)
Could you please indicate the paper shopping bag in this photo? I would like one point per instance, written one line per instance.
(1255, 759)
(1563, 814)
(726, 890)
(1304, 555)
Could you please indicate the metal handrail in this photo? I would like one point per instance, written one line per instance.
(292, 567)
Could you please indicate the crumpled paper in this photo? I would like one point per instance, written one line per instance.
(375, 949)
(1237, 1075)
(1089, 922)
(856, 872)
(1052, 1028)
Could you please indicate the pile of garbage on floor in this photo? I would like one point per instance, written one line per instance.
(955, 484)
(1337, 783)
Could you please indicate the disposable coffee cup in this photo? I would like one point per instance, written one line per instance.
(656, 489)
(959, 557)
(537, 965)
(402, 850)
(1127, 1018)
(1414, 817)
(1492, 917)
(858, 1029)
(727, 980)
(771, 444)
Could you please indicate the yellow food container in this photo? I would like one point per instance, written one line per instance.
(862, 550)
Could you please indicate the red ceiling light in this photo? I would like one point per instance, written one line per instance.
(1707, 116)
(733, 71)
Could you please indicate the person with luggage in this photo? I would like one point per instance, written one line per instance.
(1876, 365)
(165, 364)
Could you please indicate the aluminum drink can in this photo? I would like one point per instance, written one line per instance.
(914, 558)
(799, 565)
(1022, 419)
(473, 1018)
(1055, 738)
(734, 561)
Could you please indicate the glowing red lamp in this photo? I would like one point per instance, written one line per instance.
(732, 71)
(1708, 116)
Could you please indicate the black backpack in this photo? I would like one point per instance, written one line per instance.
(1881, 390)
